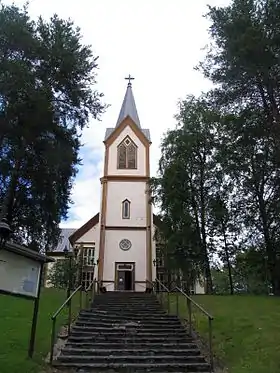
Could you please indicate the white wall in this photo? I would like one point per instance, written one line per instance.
(90, 237)
(113, 253)
(141, 155)
(134, 191)
(199, 287)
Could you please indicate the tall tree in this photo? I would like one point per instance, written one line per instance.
(186, 181)
(47, 96)
(243, 61)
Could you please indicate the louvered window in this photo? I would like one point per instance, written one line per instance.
(127, 155)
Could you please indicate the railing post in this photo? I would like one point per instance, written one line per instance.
(52, 339)
(93, 292)
(69, 315)
(81, 298)
(189, 306)
(177, 302)
(168, 302)
(211, 344)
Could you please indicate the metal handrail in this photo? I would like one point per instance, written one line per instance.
(67, 302)
(195, 304)
(190, 303)
(91, 286)
(162, 285)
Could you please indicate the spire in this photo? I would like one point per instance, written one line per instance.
(128, 106)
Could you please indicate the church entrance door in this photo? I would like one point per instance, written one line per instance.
(124, 276)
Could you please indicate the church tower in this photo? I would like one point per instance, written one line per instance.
(126, 242)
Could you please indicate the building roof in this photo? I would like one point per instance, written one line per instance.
(84, 229)
(128, 109)
(145, 131)
(63, 241)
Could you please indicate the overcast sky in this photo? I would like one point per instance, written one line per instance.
(158, 42)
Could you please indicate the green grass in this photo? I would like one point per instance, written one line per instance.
(246, 330)
(15, 324)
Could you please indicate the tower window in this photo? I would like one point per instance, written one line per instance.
(126, 209)
(127, 154)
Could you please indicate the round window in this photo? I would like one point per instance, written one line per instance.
(125, 244)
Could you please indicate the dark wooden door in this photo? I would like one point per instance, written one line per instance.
(120, 280)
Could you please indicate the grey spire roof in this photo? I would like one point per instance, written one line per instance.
(128, 108)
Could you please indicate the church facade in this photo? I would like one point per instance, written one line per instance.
(117, 244)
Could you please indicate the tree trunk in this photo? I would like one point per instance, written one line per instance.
(228, 260)
(271, 255)
(209, 283)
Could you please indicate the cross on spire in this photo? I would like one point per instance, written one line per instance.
(129, 78)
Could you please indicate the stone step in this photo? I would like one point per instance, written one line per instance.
(125, 300)
(132, 316)
(123, 359)
(129, 351)
(126, 332)
(138, 367)
(151, 301)
(78, 343)
(74, 336)
(146, 325)
(130, 310)
(122, 328)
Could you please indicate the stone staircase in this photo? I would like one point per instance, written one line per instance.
(129, 332)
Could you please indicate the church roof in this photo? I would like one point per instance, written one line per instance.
(145, 131)
(128, 108)
(63, 241)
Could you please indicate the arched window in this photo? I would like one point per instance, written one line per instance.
(126, 209)
(127, 154)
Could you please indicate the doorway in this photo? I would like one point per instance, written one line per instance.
(124, 276)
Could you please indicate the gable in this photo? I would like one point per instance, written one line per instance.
(116, 132)
(84, 229)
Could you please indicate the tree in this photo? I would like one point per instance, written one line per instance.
(186, 180)
(47, 97)
(250, 271)
(61, 272)
(243, 62)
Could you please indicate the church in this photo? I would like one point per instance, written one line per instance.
(117, 244)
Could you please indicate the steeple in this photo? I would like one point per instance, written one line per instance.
(128, 106)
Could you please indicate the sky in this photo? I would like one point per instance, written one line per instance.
(158, 42)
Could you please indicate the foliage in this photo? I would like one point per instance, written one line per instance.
(47, 97)
(243, 60)
(219, 176)
(187, 172)
(61, 272)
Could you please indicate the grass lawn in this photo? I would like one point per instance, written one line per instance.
(15, 324)
(246, 331)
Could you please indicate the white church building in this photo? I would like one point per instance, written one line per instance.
(118, 242)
